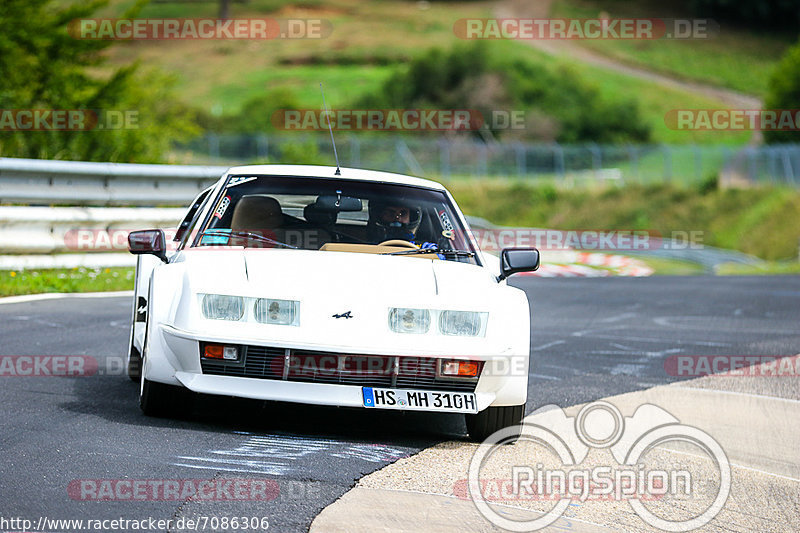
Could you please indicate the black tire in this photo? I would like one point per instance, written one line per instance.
(135, 365)
(157, 399)
(491, 419)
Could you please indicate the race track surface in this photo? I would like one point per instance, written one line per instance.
(591, 338)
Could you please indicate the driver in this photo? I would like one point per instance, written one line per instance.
(393, 220)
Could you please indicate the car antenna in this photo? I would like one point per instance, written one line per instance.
(330, 128)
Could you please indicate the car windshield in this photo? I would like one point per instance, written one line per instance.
(336, 215)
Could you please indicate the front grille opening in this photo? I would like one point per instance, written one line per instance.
(305, 366)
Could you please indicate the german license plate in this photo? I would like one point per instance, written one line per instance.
(419, 400)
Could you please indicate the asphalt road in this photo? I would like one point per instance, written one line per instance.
(591, 338)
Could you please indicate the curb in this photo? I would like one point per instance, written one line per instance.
(755, 431)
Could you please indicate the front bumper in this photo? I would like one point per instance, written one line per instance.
(287, 391)
(175, 359)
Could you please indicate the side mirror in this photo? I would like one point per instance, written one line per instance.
(514, 260)
(149, 241)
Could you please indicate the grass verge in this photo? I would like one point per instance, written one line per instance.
(736, 58)
(756, 221)
(768, 268)
(670, 267)
(17, 282)
(352, 61)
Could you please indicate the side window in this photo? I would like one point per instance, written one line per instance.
(191, 216)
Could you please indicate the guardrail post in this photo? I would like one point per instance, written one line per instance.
(558, 161)
(213, 145)
(444, 157)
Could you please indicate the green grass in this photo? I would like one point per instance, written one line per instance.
(671, 267)
(654, 100)
(342, 84)
(219, 76)
(736, 58)
(768, 268)
(15, 282)
(755, 221)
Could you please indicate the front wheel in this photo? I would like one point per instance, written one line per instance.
(158, 399)
(135, 365)
(491, 419)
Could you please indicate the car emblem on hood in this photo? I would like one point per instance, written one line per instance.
(344, 315)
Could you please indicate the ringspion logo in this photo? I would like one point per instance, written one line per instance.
(563, 470)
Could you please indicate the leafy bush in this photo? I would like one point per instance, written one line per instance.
(43, 67)
(772, 14)
(559, 104)
(784, 92)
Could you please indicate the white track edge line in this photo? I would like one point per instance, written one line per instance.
(56, 295)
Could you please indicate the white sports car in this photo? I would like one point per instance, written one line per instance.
(355, 288)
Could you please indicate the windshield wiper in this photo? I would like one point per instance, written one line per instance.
(246, 235)
(456, 253)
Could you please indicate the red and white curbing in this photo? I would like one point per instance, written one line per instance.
(570, 263)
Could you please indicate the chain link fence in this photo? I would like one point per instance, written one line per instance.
(567, 164)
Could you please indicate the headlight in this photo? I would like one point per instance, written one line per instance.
(220, 307)
(463, 323)
(402, 320)
(284, 312)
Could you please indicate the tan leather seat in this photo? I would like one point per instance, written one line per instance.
(259, 214)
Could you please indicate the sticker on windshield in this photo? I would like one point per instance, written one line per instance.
(223, 206)
(448, 231)
(238, 180)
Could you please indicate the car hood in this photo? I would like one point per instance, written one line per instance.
(328, 284)
(346, 276)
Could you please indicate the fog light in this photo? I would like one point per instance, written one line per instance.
(217, 351)
(283, 312)
(402, 320)
(460, 369)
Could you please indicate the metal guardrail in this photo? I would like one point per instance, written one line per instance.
(38, 230)
(34, 181)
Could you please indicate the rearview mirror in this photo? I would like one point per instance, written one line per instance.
(149, 241)
(335, 203)
(515, 260)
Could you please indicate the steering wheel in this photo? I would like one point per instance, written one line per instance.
(398, 242)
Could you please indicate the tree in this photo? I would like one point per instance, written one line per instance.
(45, 67)
(784, 92)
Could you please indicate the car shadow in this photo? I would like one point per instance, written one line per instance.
(115, 399)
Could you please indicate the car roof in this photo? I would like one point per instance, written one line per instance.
(315, 171)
